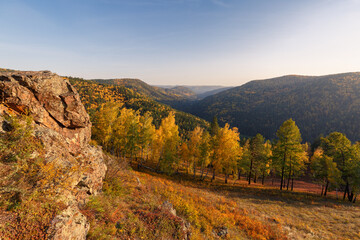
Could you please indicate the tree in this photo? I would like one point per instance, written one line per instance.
(353, 171)
(147, 135)
(195, 142)
(245, 159)
(103, 124)
(126, 133)
(205, 152)
(338, 146)
(258, 155)
(228, 150)
(264, 165)
(214, 127)
(296, 164)
(325, 170)
(287, 146)
(167, 140)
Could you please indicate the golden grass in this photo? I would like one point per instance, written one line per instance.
(128, 209)
(301, 215)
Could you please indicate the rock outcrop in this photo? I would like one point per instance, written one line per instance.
(185, 226)
(63, 126)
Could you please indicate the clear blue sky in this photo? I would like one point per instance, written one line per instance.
(197, 42)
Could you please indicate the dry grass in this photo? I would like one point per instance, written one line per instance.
(302, 215)
(128, 209)
(129, 196)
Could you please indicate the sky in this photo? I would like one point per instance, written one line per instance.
(181, 42)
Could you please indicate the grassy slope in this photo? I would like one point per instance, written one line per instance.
(118, 213)
(249, 212)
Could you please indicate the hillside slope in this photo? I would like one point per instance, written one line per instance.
(318, 104)
(157, 93)
(94, 94)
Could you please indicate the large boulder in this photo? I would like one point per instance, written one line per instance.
(51, 101)
(63, 126)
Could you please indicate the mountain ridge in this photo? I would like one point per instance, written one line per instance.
(318, 104)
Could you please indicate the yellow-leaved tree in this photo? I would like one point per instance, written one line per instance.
(165, 145)
(103, 124)
(198, 149)
(126, 133)
(147, 135)
(227, 150)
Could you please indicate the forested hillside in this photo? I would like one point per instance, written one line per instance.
(156, 93)
(319, 105)
(94, 94)
(201, 91)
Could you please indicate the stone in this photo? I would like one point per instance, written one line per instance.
(51, 101)
(61, 123)
(185, 226)
(69, 225)
(168, 207)
(221, 232)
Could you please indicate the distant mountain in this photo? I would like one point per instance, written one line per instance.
(200, 89)
(157, 93)
(318, 104)
(212, 92)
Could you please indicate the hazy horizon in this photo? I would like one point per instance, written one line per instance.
(181, 42)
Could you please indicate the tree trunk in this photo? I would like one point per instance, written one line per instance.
(226, 177)
(282, 171)
(350, 196)
(322, 189)
(207, 171)
(202, 172)
(287, 188)
(346, 190)
(263, 178)
(194, 170)
(326, 187)
(255, 178)
(239, 174)
(213, 176)
(288, 181)
(292, 182)
(249, 177)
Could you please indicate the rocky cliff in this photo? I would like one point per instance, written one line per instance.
(64, 128)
